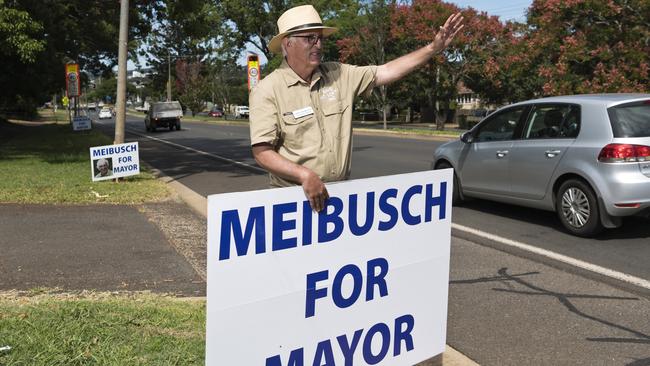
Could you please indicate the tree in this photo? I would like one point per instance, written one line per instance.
(108, 88)
(590, 46)
(567, 47)
(369, 44)
(254, 23)
(47, 34)
(191, 85)
(184, 30)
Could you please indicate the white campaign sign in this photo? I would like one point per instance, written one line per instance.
(81, 123)
(114, 161)
(364, 282)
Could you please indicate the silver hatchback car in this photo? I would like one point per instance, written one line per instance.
(587, 157)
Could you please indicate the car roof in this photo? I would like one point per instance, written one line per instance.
(608, 100)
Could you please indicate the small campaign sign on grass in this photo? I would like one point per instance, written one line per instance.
(114, 161)
(364, 282)
(80, 123)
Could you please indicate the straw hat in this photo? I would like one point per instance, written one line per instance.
(298, 19)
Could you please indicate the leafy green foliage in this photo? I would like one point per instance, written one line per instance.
(17, 31)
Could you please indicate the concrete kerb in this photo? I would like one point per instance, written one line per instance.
(198, 203)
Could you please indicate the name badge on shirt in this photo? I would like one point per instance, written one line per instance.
(302, 112)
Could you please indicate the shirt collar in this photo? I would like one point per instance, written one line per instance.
(291, 78)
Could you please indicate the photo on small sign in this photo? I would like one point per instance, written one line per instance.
(103, 167)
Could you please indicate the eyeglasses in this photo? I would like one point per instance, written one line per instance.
(312, 38)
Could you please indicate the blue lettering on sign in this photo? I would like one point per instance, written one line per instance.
(111, 150)
(376, 271)
(330, 225)
(324, 354)
(126, 168)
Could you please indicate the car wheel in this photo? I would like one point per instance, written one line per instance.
(171, 127)
(455, 197)
(577, 208)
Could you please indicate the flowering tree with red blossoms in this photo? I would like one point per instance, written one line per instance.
(590, 46)
(406, 27)
(191, 85)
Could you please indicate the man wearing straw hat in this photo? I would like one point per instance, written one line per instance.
(301, 114)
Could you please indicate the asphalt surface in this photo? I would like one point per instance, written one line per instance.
(503, 309)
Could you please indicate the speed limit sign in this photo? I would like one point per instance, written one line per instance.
(72, 84)
(253, 71)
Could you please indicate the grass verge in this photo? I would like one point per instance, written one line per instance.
(46, 162)
(101, 329)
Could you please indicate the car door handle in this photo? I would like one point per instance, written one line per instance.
(552, 153)
(502, 153)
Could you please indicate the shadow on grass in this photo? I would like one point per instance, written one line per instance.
(51, 143)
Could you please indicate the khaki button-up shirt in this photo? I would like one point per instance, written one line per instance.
(310, 124)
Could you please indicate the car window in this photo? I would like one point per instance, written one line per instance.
(551, 121)
(501, 126)
(172, 106)
(631, 119)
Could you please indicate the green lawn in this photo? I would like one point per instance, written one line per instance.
(101, 329)
(50, 163)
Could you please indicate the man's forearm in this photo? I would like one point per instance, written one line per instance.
(402, 66)
(278, 165)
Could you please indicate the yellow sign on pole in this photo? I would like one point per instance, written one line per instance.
(253, 71)
(65, 101)
(72, 81)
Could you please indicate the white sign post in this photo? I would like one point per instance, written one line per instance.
(364, 282)
(114, 161)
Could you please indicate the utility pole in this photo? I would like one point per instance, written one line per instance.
(121, 73)
(169, 77)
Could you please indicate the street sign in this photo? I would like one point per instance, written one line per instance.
(72, 82)
(65, 101)
(253, 71)
(81, 123)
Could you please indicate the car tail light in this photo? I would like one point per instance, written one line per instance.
(628, 205)
(624, 153)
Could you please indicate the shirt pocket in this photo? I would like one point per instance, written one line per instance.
(300, 133)
(333, 112)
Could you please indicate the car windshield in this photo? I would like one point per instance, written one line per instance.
(631, 119)
(167, 107)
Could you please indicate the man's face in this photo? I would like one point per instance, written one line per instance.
(103, 167)
(304, 48)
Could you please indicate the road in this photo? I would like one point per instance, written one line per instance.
(503, 309)
(625, 250)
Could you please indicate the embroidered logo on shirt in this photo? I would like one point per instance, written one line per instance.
(328, 93)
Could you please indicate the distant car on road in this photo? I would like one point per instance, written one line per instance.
(586, 157)
(164, 114)
(92, 106)
(105, 113)
(216, 112)
(241, 111)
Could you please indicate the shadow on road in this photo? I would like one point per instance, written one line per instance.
(527, 288)
(633, 227)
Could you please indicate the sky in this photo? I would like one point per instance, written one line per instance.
(505, 9)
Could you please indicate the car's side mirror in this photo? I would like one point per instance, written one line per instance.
(467, 137)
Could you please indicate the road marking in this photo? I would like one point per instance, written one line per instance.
(636, 281)
(200, 152)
